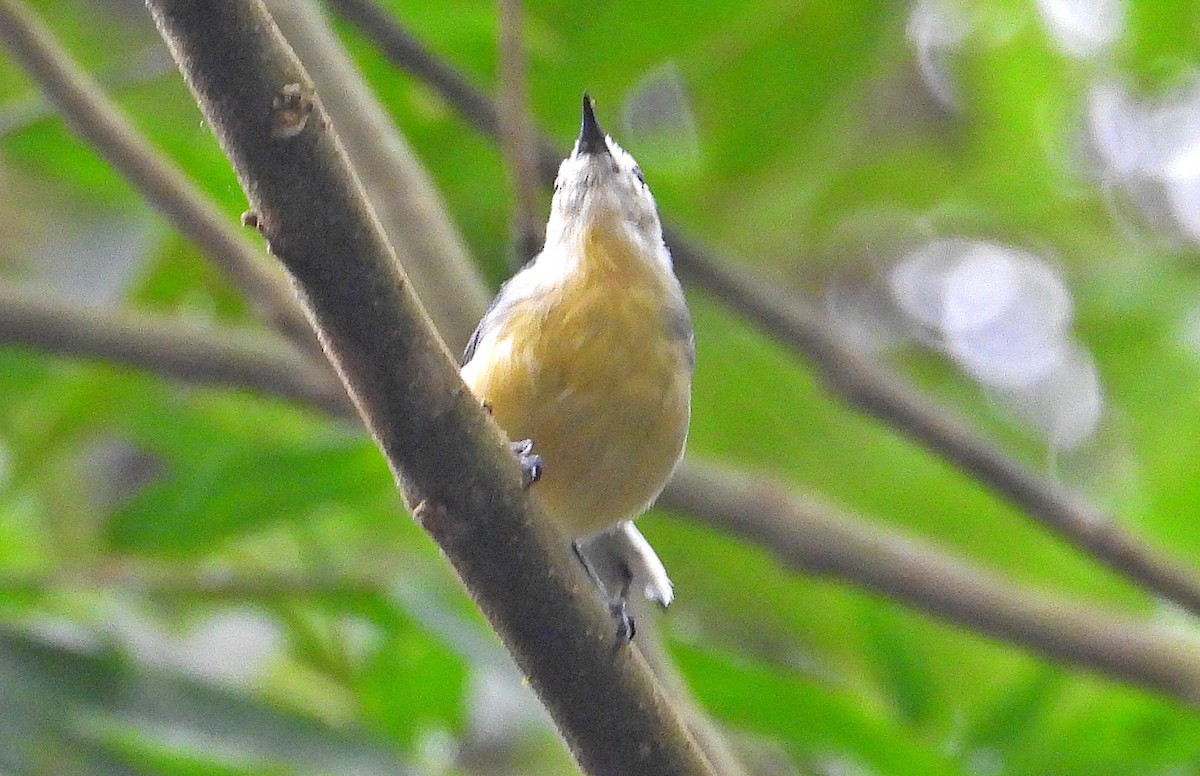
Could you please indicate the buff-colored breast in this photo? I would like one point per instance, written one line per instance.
(591, 371)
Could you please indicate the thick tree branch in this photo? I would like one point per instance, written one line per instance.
(401, 192)
(447, 454)
(805, 533)
(817, 539)
(797, 324)
(101, 123)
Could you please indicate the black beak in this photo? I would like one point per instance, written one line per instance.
(591, 137)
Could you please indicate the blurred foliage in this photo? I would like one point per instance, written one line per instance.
(817, 155)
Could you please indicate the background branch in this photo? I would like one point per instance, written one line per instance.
(410, 55)
(818, 539)
(516, 132)
(177, 583)
(210, 356)
(81, 100)
(866, 386)
(141, 67)
(401, 192)
(448, 455)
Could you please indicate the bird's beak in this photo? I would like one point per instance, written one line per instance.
(591, 137)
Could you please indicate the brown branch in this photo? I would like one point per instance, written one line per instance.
(99, 121)
(818, 539)
(176, 583)
(410, 55)
(516, 133)
(447, 454)
(168, 347)
(862, 384)
(401, 192)
(140, 68)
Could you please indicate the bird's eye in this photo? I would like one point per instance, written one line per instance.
(637, 172)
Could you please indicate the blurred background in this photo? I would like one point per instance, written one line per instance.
(998, 199)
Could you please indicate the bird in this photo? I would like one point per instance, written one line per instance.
(586, 358)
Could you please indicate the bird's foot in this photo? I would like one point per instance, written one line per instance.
(617, 605)
(626, 629)
(531, 462)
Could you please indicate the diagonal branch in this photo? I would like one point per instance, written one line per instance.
(817, 539)
(401, 192)
(447, 454)
(804, 533)
(133, 69)
(864, 385)
(83, 103)
(410, 55)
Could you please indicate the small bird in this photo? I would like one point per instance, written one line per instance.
(588, 354)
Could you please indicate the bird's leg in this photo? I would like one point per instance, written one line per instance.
(620, 611)
(616, 604)
(531, 462)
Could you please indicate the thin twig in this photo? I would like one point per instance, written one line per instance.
(184, 583)
(403, 195)
(516, 132)
(447, 454)
(141, 67)
(168, 347)
(412, 56)
(113, 135)
(409, 54)
(862, 384)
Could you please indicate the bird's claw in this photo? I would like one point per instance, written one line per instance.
(531, 462)
(617, 605)
(626, 629)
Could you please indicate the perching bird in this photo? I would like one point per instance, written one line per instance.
(588, 352)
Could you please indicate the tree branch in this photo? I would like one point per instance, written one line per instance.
(817, 539)
(516, 133)
(866, 386)
(176, 583)
(167, 347)
(404, 197)
(101, 123)
(448, 455)
(136, 69)
(410, 55)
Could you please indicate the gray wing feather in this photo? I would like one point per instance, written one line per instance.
(496, 310)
